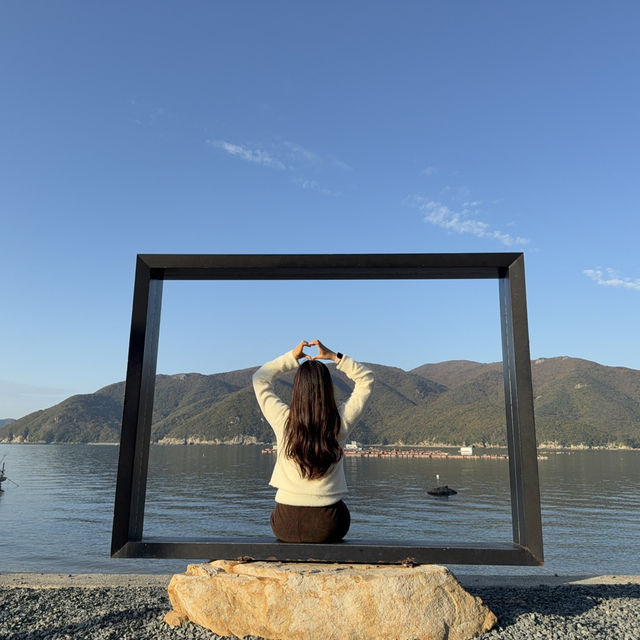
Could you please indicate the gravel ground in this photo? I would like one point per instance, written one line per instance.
(564, 612)
(568, 612)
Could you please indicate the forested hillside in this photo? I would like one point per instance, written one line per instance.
(455, 402)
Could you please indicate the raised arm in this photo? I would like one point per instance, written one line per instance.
(272, 407)
(363, 379)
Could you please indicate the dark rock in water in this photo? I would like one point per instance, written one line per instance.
(442, 491)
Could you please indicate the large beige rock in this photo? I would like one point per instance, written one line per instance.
(327, 601)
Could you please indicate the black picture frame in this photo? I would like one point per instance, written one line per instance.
(128, 541)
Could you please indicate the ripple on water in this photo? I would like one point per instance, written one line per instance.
(60, 517)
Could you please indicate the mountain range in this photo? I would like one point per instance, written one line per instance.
(577, 402)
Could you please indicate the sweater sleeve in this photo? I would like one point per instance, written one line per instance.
(363, 379)
(272, 407)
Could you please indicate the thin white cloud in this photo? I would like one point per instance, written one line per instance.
(428, 171)
(313, 185)
(287, 156)
(464, 220)
(300, 153)
(339, 164)
(255, 156)
(609, 278)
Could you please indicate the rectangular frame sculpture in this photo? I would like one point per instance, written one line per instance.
(151, 270)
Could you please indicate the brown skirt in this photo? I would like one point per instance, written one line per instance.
(310, 524)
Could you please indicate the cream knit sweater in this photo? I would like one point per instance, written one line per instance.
(292, 488)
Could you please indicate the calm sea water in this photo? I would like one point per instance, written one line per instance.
(59, 517)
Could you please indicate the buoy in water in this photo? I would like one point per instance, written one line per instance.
(442, 491)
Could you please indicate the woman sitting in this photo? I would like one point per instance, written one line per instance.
(310, 435)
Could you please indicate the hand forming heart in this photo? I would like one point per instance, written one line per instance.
(307, 355)
(323, 352)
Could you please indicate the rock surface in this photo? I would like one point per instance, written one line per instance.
(305, 601)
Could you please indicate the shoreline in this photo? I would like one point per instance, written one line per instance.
(543, 447)
(34, 580)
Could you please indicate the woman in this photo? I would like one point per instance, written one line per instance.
(310, 434)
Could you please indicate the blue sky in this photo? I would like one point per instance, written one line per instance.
(361, 127)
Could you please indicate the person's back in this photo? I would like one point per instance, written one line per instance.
(310, 435)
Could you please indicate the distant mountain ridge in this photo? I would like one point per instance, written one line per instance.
(4, 421)
(577, 402)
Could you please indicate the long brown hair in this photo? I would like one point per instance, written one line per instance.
(311, 432)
